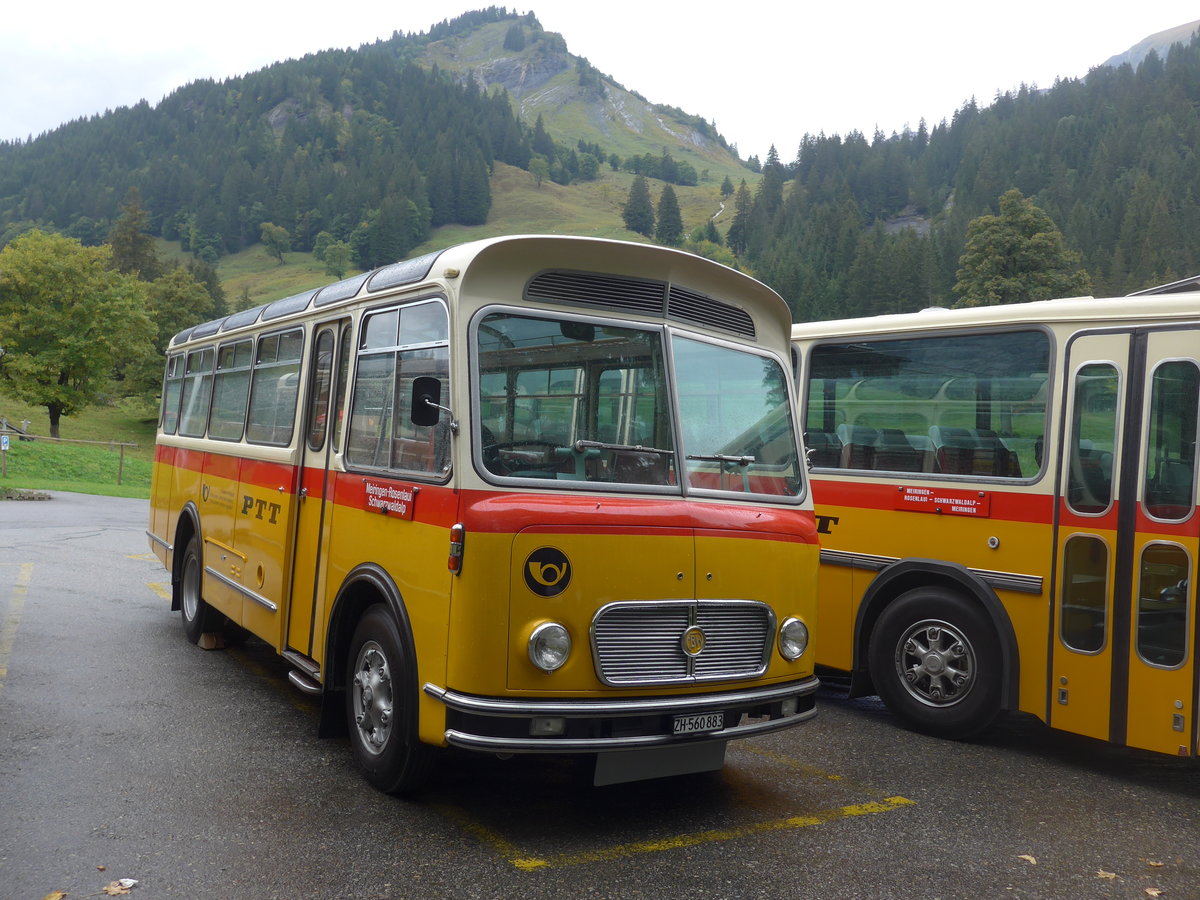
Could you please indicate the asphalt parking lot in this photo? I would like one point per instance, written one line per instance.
(126, 752)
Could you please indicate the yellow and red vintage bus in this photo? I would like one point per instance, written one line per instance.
(525, 495)
(1007, 497)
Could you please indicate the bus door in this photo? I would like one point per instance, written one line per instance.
(1082, 650)
(323, 421)
(1161, 602)
(1123, 651)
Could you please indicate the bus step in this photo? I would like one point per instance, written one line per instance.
(304, 682)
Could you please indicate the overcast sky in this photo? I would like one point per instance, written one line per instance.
(766, 72)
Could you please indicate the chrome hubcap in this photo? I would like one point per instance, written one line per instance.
(936, 663)
(372, 697)
(190, 592)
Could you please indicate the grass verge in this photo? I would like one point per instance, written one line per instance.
(86, 468)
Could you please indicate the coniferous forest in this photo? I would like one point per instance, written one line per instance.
(375, 148)
(879, 226)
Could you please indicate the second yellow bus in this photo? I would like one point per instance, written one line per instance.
(1007, 501)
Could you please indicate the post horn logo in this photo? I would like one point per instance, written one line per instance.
(547, 571)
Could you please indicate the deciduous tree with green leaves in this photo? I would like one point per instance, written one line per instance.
(67, 318)
(276, 239)
(1016, 257)
(337, 259)
(174, 302)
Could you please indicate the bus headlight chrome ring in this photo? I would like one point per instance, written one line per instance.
(793, 639)
(549, 646)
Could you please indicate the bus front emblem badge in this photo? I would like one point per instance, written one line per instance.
(693, 641)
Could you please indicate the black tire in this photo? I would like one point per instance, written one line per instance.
(381, 706)
(936, 662)
(198, 616)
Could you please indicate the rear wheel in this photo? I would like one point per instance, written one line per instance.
(936, 661)
(381, 707)
(198, 616)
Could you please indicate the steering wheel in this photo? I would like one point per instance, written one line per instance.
(491, 456)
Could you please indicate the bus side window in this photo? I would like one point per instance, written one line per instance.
(1170, 453)
(230, 391)
(1162, 612)
(397, 347)
(1093, 438)
(960, 405)
(275, 388)
(1083, 617)
(197, 393)
(172, 389)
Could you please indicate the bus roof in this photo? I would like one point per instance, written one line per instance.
(1089, 310)
(489, 255)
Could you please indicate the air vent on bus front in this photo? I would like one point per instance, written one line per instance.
(626, 294)
(693, 307)
(638, 296)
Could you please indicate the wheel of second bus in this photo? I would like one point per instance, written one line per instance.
(936, 662)
(381, 707)
(198, 617)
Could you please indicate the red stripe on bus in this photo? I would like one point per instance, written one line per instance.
(492, 511)
(495, 512)
(1005, 505)
(219, 466)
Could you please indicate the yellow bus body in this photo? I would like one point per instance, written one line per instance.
(497, 498)
(1007, 507)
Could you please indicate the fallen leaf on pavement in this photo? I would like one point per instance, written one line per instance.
(1100, 873)
(1029, 859)
(55, 895)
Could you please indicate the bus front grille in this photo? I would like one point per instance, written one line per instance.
(681, 641)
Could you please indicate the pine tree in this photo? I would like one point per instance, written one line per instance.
(735, 238)
(669, 228)
(133, 251)
(638, 213)
(542, 142)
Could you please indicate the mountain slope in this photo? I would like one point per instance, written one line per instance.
(575, 101)
(1160, 43)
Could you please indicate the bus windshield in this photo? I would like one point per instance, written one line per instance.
(578, 401)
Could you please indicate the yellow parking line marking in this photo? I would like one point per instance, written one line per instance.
(503, 847)
(793, 764)
(528, 863)
(147, 557)
(162, 589)
(12, 618)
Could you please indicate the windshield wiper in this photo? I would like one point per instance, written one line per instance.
(582, 445)
(724, 458)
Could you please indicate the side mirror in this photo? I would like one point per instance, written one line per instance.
(426, 400)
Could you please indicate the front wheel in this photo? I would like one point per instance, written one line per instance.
(936, 662)
(381, 707)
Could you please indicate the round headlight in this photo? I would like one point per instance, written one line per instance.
(793, 639)
(549, 646)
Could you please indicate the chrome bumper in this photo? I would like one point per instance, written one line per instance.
(494, 724)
